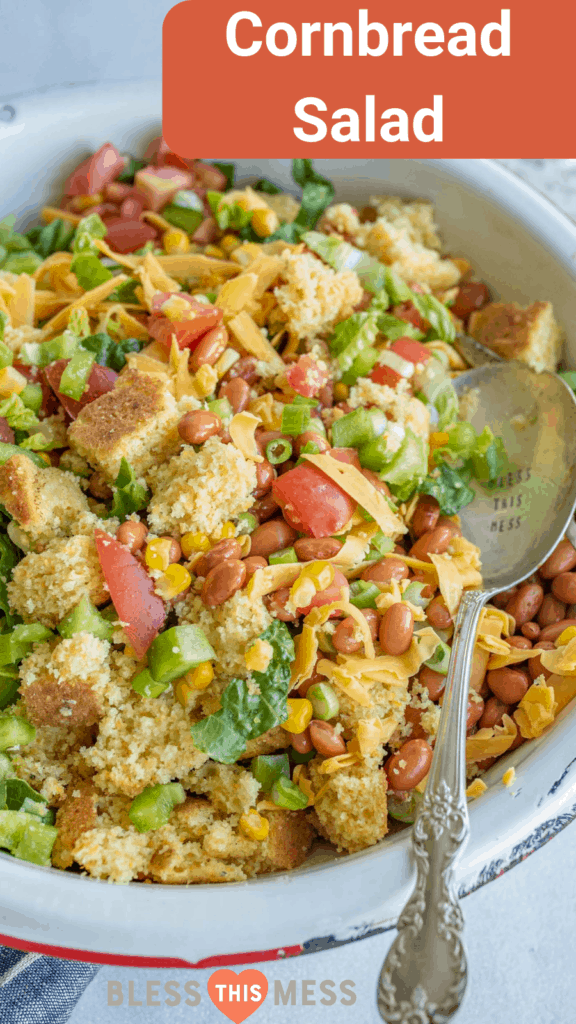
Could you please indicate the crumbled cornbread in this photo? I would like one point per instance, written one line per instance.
(46, 503)
(351, 810)
(314, 297)
(404, 237)
(230, 627)
(46, 586)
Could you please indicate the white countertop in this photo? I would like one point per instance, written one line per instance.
(520, 928)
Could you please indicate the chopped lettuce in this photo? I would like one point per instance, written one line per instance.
(437, 315)
(17, 795)
(408, 467)
(108, 352)
(397, 289)
(339, 255)
(89, 228)
(54, 237)
(125, 292)
(317, 192)
(9, 558)
(393, 328)
(89, 270)
(351, 336)
(245, 715)
(129, 494)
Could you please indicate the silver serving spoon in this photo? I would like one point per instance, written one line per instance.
(516, 525)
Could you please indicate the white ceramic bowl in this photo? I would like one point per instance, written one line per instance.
(525, 249)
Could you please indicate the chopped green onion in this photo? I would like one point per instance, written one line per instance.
(278, 451)
(31, 397)
(221, 407)
(363, 594)
(440, 659)
(6, 356)
(85, 618)
(413, 593)
(299, 758)
(153, 806)
(75, 377)
(246, 523)
(295, 419)
(268, 768)
(286, 793)
(146, 686)
(26, 838)
(283, 557)
(175, 652)
(15, 732)
(324, 701)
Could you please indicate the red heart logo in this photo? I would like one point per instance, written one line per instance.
(237, 996)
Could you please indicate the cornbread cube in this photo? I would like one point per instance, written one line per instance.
(289, 840)
(52, 760)
(404, 236)
(351, 812)
(76, 816)
(529, 334)
(314, 297)
(64, 683)
(46, 586)
(137, 421)
(199, 491)
(46, 503)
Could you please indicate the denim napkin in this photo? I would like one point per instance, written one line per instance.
(37, 989)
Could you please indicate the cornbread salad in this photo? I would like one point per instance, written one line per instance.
(231, 464)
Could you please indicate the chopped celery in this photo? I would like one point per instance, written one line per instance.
(75, 376)
(283, 557)
(153, 806)
(31, 397)
(267, 768)
(221, 407)
(183, 217)
(413, 594)
(363, 594)
(358, 428)
(376, 454)
(286, 793)
(85, 618)
(35, 842)
(15, 732)
(17, 644)
(246, 523)
(146, 686)
(351, 337)
(295, 419)
(379, 546)
(12, 826)
(175, 652)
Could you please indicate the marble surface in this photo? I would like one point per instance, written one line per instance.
(519, 928)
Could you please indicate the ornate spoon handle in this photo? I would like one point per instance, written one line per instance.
(425, 973)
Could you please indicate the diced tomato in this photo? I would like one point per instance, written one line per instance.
(312, 502)
(209, 177)
(96, 171)
(349, 455)
(206, 232)
(6, 432)
(35, 375)
(306, 377)
(407, 311)
(117, 191)
(382, 374)
(100, 381)
(128, 235)
(330, 594)
(411, 350)
(160, 154)
(190, 328)
(159, 185)
(131, 589)
(132, 206)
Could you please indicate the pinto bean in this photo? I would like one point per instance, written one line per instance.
(438, 615)
(272, 536)
(237, 391)
(276, 605)
(452, 526)
(373, 619)
(524, 606)
(535, 666)
(325, 739)
(414, 717)
(531, 630)
(494, 711)
(264, 508)
(196, 427)
(301, 741)
(244, 368)
(434, 681)
(521, 643)
(386, 570)
(551, 610)
(265, 477)
(553, 632)
(409, 765)
(564, 587)
(376, 482)
(433, 542)
(223, 551)
(344, 636)
(223, 581)
(311, 549)
(396, 629)
(504, 597)
(426, 515)
(474, 713)
(509, 684)
(252, 563)
(132, 534)
(562, 559)
(209, 349)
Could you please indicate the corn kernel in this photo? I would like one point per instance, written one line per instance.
(299, 715)
(254, 826)
(201, 676)
(215, 251)
(175, 241)
(205, 380)
(175, 580)
(258, 656)
(45, 457)
(228, 243)
(183, 692)
(157, 555)
(265, 222)
(565, 637)
(11, 382)
(191, 543)
(341, 392)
